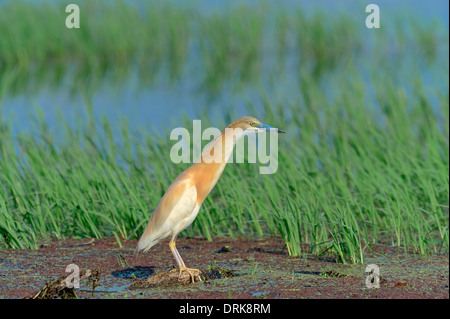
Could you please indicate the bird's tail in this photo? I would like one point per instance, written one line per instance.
(144, 244)
(136, 252)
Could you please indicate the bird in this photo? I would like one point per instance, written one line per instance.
(181, 203)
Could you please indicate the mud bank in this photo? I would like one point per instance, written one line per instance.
(248, 269)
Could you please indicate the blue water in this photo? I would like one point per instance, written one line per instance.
(162, 104)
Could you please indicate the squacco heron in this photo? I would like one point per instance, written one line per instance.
(180, 204)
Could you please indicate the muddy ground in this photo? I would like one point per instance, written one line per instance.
(262, 269)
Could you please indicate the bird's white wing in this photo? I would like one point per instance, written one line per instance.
(177, 204)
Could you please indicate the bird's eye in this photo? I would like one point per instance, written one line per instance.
(253, 124)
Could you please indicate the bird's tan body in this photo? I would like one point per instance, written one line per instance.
(180, 204)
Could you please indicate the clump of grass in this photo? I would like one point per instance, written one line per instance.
(231, 44)
(112, 37)
(325, 43)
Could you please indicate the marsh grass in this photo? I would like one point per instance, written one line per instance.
(165, 42)
(341, 185)
(156, 36)
(364, 161)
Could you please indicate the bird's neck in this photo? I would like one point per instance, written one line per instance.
(221, 148)
(213, 161)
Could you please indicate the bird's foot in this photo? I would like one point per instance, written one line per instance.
(193, 273)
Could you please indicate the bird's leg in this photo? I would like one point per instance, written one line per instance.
(176, 254)
(180, 262)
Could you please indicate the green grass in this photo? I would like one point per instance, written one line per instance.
(374, 183)
(365, 159)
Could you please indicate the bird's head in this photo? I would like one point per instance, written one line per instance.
(251, 125)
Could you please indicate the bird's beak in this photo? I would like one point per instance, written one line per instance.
(268, 127)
